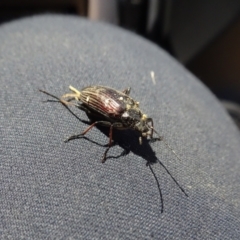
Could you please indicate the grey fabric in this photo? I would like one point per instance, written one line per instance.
(56, 190)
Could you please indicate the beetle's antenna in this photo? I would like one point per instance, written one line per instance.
(173, 178)
(170, 148)
(158, 185)
(49, 94)
(166, 144)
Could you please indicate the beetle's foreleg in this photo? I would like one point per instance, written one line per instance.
(151, 121)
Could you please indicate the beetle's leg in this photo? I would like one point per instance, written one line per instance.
(159, 138)
(110, 141)
(151, 121)
(71, 96)
(109, 144)
(68, 97)
(78, 93)
(83, 108)
(127, 91)
(58, 99)
(104, 123)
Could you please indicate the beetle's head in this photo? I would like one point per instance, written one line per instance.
(135, 119)
(144, 128)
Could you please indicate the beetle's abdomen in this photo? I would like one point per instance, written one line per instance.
(103, 100)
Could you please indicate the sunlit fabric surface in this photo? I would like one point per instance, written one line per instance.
(55, 190)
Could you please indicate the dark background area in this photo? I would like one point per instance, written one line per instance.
(203, 35)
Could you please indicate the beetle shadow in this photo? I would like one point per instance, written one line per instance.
(128, 140)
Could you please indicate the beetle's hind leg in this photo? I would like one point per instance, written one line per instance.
(68, 97)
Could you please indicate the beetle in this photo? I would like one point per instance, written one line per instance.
(113, 109)
(116, 109)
